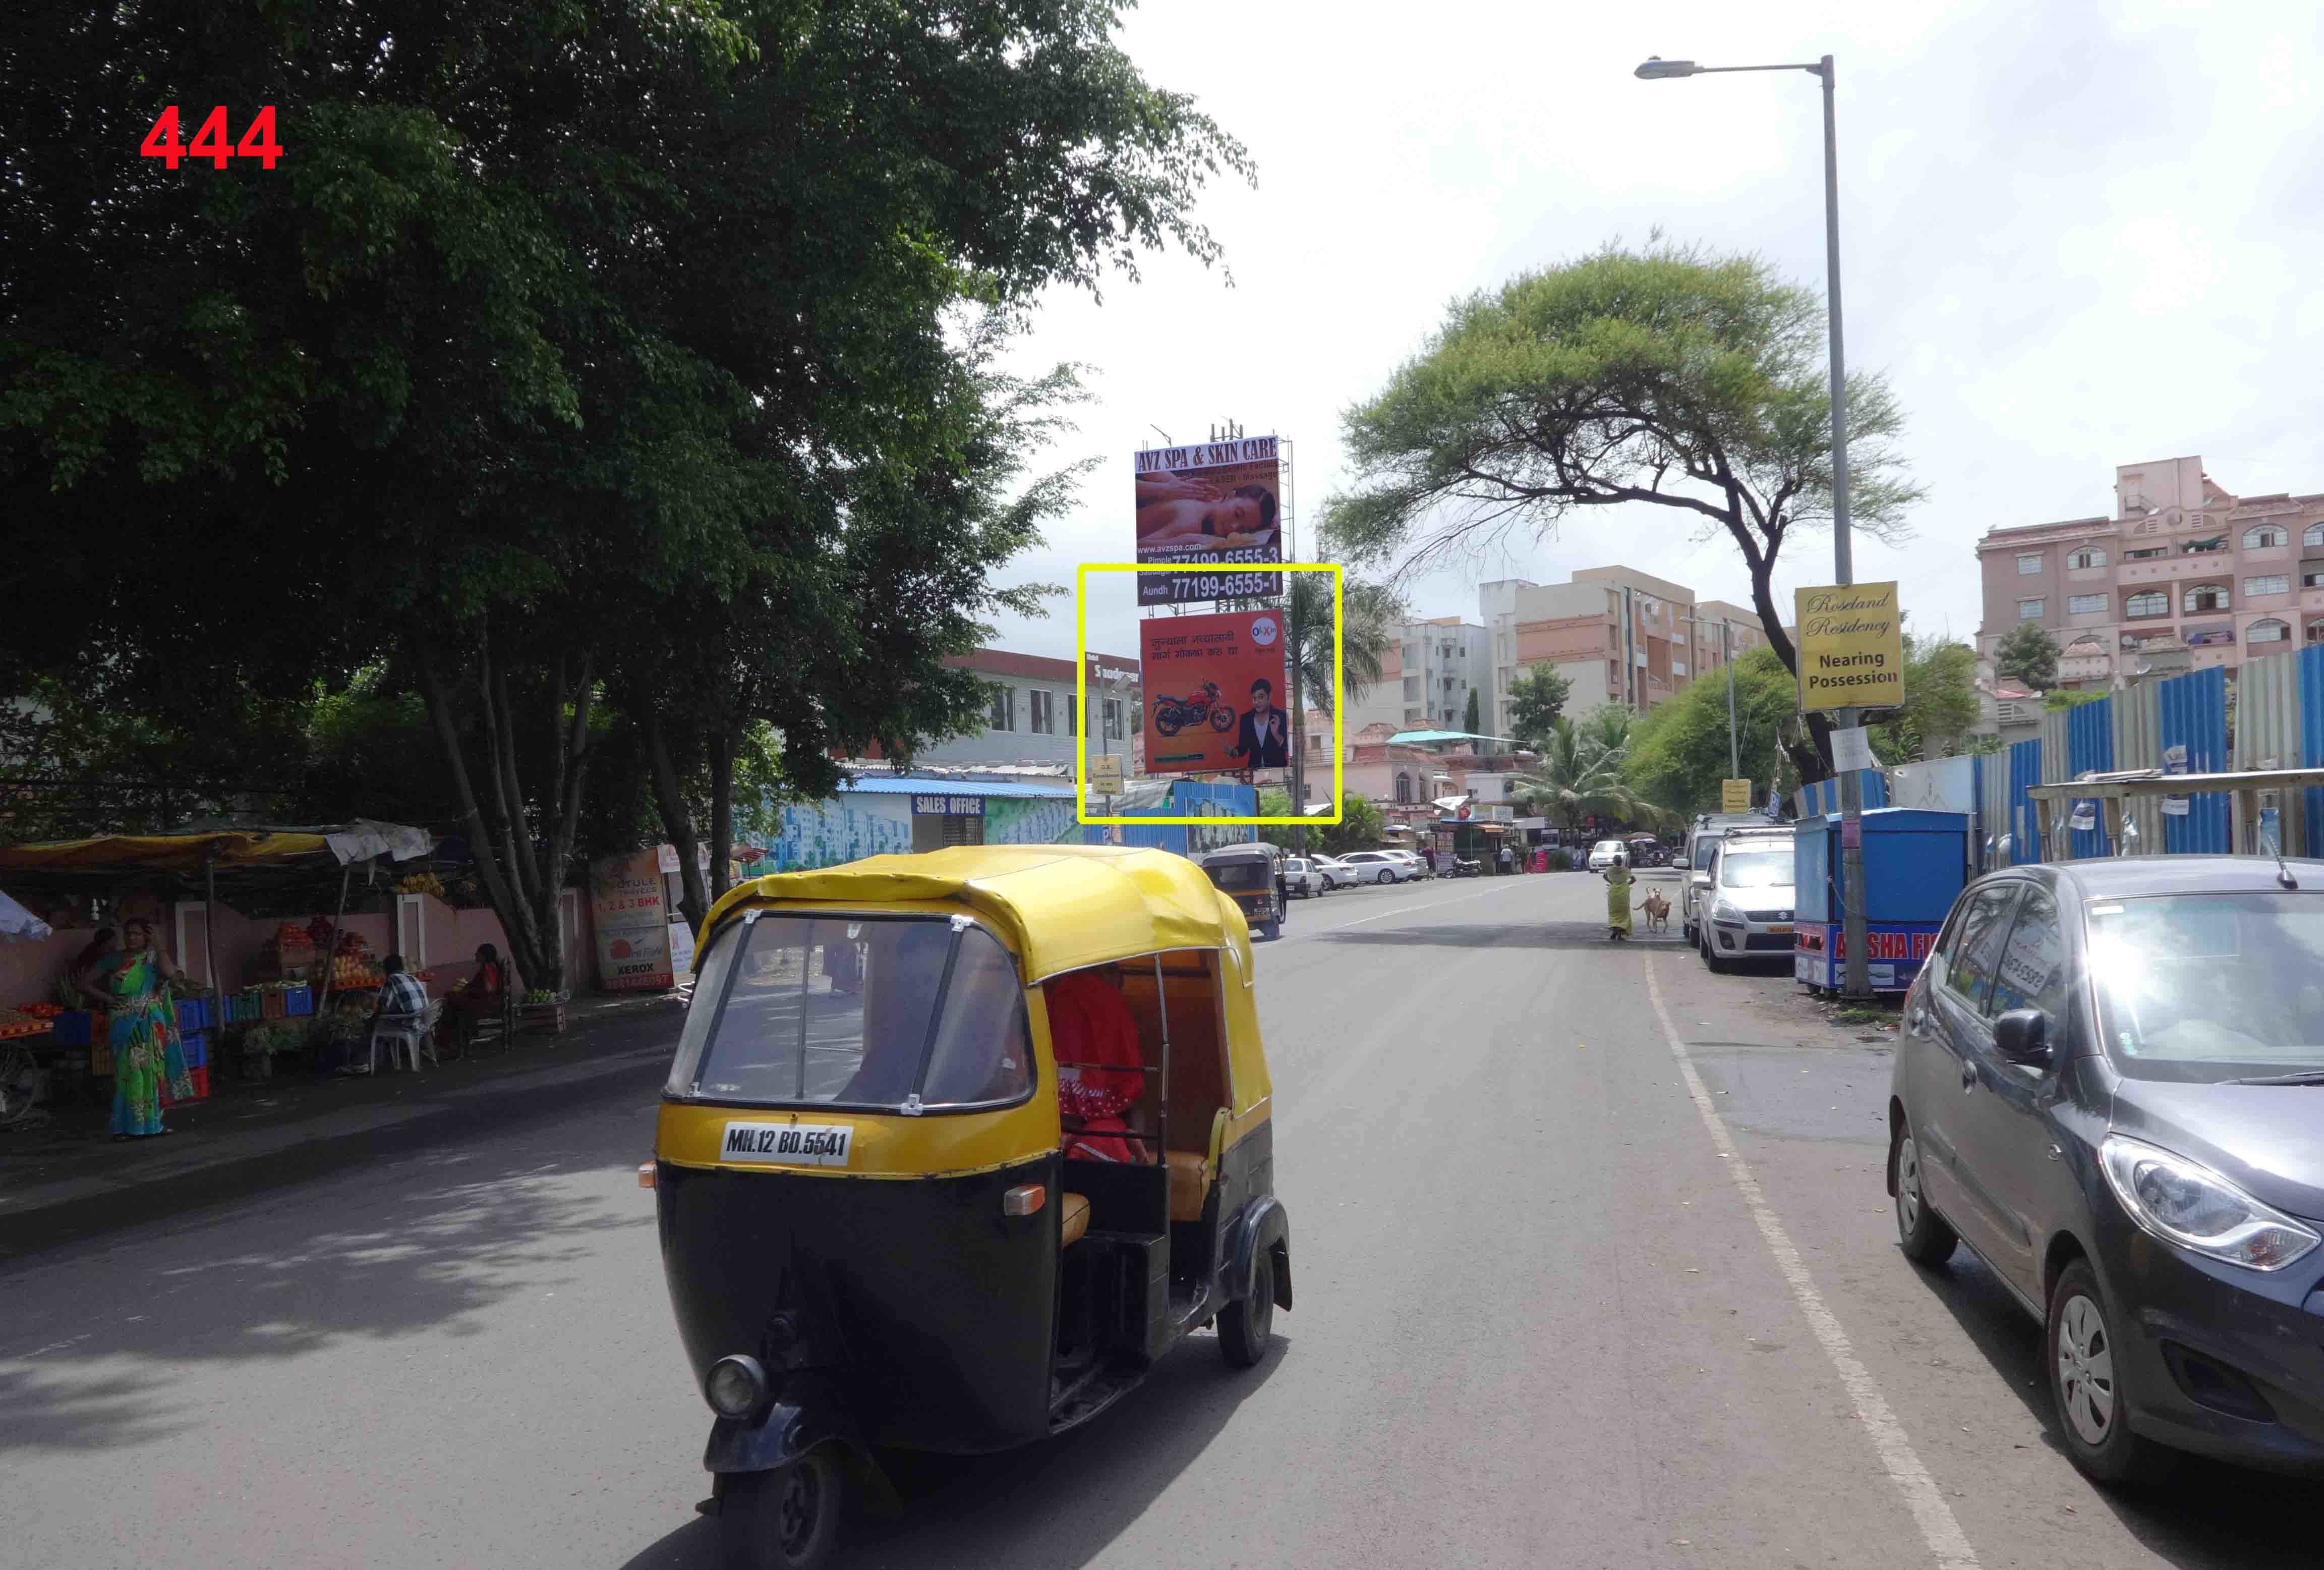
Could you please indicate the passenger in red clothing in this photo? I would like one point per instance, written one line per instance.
(1090, 1024)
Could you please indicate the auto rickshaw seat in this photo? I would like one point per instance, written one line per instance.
(1190, 1185)
(1073, 1219)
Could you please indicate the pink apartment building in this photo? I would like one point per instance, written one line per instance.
(2183, 576)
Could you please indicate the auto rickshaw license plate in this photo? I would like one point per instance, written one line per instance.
(788, 1144)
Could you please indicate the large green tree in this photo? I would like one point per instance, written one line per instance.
(1678, 750)
(2027, 653)
(1666, 376)
(553, 329)
(1940, 706)
(1536, 697)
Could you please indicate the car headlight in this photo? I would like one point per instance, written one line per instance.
(736, 1386)
(1724, 912)
(2185, 1203)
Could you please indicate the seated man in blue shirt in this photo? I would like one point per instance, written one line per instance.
(401, 999)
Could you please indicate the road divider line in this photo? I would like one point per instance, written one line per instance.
(1399, 911)
(1939, 1528)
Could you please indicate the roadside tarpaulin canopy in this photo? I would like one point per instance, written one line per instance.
(159, 853)
(191, 850)
(18, 923)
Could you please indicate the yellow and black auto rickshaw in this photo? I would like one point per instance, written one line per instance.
(954, 1147)
(1252, 875)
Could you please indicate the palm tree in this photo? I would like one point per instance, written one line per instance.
(1372, 611)
(1580, 776)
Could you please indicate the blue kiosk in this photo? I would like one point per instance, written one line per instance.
(1915, 863)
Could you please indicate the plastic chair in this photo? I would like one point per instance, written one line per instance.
(411, 1034)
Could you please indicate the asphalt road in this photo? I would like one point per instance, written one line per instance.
(1574, 1289)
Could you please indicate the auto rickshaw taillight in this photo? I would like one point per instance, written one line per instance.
(1024, 1199)
(645, 1174)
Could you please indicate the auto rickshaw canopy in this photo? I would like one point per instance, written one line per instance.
(1059, 907)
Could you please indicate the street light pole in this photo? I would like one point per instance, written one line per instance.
(1857, 980)
(1734, 750)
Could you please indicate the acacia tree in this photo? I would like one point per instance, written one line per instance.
(1668, 377)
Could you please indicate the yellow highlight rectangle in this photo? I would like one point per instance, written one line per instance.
(1081, 687)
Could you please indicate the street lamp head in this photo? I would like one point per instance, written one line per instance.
(1656, 68)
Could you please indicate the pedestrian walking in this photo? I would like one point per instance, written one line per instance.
(1618, 899)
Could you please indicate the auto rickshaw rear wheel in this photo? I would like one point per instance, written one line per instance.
(785, 1519)
(1244, 1327)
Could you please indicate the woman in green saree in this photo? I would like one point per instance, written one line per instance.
(143, 1031)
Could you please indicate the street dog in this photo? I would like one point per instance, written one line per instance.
(1657, 913)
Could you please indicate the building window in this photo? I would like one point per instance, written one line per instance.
(2087, 555)
(2312, 577)
(2029, 610)
(2027, 566)
(2205, 547)
(1073, 714)
(1411, 688)
(2273, 583)
(1404, 790)
(2268, 632)
(2148, 602)
(2313, 534)
(2260, 536)
(1044, 710)
(2316, 631)
(1314, 741)
(2086, 604)
(1678, 668)
(2147, 553)
(1111, 718)
(1004, 708)
(2205, 597)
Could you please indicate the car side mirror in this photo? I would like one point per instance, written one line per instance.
(2021, 1036)
(1700, 875)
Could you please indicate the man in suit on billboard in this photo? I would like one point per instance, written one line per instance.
(1261, 736)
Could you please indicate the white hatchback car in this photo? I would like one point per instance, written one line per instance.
(1376, 867)
(1604, 853)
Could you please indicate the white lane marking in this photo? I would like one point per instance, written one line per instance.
(1399, 911)
(1939, 1529)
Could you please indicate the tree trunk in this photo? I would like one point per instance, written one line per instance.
(524, 900)
(1811, 758)
(677, 819)
(722, 810)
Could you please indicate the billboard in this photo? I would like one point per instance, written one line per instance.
(1851, 647)
(632, 922)
(1214, 692)
(1209, 505)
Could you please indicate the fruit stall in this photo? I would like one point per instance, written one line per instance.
(266, 986)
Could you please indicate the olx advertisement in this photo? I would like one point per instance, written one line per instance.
(1214, 693)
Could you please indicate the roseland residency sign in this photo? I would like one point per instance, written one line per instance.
(1851, 647)
(1214, 693)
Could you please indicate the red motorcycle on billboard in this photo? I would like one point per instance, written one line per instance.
(1171, 715)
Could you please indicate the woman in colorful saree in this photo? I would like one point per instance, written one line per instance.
(146, 1055)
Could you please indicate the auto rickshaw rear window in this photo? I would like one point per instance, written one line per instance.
(1238, 875)
(862, 1013)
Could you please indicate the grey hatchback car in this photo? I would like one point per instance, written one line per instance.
(2109, 1083)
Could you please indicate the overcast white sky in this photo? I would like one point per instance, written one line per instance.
(2073, 235)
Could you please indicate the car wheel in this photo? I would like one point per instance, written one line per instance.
(2085, 1382)
(785, 1519)
(1711, 961)
(1686, 932)
(1244, 1325)
(1923, 1235)
(1272, 927)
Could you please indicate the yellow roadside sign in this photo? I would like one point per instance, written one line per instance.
(1735, 796)
(1851, 647)
(1105, 773)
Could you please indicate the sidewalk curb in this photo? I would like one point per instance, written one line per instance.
(231, 1166)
